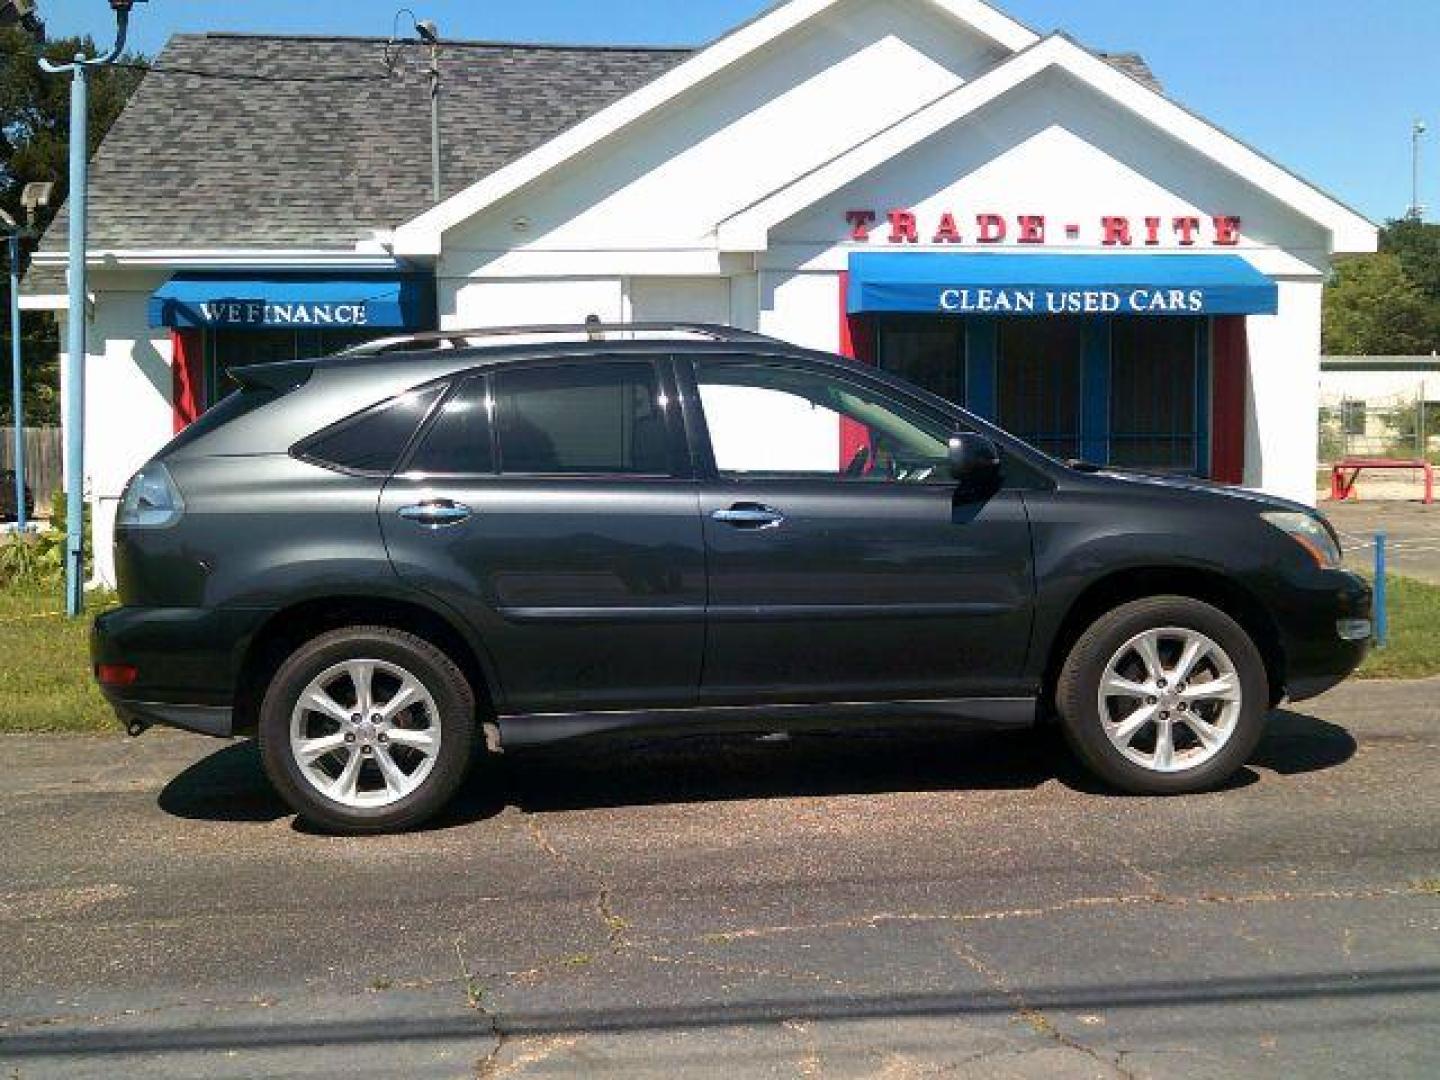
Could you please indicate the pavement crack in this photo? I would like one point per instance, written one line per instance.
(615, 926)
(1081, 903)
(1032, 1017)
(746, 970)
(475, 998)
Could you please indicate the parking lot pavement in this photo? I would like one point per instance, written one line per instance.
(1413, 532)
(825, 906)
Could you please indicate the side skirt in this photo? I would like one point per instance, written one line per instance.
(971, 714)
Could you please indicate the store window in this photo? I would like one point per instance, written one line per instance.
(231, 348)
(1155, 393)
(927, 352)
(1037, 393)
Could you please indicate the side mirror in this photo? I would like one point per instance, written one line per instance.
(974, 459)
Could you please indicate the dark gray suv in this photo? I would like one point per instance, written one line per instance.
(386, 562)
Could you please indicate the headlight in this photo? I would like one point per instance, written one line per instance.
(1312, 534)
(151, 500)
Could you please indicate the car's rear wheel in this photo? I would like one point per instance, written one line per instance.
(367, 729)
(1164, 696)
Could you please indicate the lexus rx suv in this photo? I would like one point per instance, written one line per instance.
(386, 563)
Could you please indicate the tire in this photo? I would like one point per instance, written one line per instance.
(1214, 721)
(421, 728)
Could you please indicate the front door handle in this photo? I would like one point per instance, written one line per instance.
(749, 516)
(435, 513)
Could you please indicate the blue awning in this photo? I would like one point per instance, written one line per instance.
(252, 301)
(1013, 284)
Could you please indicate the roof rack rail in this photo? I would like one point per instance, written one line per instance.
(511, 335)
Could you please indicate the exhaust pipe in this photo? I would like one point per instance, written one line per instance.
(135, 727)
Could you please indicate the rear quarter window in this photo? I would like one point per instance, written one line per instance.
(374, 440)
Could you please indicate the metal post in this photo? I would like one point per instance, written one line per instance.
(435, 184)
(74, 420)
(75, 356)
(1417, 211)
(1382, 597)
(17, 397)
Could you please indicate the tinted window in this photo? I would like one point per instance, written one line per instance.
(600, 418)
(459, 439)
(781, 422)
(374, 440)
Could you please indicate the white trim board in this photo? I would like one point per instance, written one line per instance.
(749, 230)
(422, 236)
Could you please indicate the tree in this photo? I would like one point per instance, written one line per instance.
(1374, 308)
(34, 145)
(1417, 245)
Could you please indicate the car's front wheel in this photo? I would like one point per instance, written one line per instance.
(1164, 696)
(367, 729)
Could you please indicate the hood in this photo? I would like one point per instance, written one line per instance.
(1170, 482)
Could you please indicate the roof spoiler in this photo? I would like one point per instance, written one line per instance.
(280, 377)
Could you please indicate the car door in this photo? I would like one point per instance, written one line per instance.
(554, 506)
(844, 562)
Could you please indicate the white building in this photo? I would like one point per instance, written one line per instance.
(1026, 226)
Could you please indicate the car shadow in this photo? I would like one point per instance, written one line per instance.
(229, 785)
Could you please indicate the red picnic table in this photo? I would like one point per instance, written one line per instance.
(1345, 474)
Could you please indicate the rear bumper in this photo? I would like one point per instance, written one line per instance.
(187, 662)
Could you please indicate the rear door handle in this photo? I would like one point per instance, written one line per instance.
(436, 513)
(749, 516)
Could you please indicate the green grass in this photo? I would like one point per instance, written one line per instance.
(45, 682)
(1414, 649)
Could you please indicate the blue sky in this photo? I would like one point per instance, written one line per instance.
(1327, 87)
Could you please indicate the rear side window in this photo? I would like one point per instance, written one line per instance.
(372, 441)
(598, 419)
(459, 441)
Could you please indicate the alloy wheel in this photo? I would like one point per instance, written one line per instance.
(1170, 699)
(365, 733)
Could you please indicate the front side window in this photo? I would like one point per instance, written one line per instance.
(599, 419)
(770, 421)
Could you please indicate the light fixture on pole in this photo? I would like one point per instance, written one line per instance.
(1417, 132)
(74, 403)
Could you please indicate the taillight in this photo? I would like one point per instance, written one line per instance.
(151, 500)
(116, 674)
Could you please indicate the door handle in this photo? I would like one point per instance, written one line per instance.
(749, 516)
(436, 513)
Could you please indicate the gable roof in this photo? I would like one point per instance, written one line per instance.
(421, 236)
(308, 143)
(1351, 232)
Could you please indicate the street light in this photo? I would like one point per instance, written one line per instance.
(74, 425)
(1417, 132)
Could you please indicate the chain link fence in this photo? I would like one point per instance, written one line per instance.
(1404, 424)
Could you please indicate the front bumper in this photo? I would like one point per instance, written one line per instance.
(1313, 621)
(187, 662)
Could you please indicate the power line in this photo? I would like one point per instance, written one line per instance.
(240, 76)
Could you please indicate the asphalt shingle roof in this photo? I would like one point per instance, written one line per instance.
(260, 161)
(314, 142)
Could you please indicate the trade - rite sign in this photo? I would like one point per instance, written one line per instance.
(905, 227)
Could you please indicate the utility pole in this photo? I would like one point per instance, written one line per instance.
(1417, 132)
(74, 405)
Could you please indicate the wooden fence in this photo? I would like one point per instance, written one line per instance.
(44, 465)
